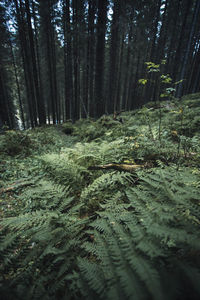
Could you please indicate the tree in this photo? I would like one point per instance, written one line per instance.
(27, 66)
(180, 49)
(189, 49)
(71, 59)
(100, 56)
(89, 88)
(37, 90)
(21, 108)
(68, 62)
(7, 110)
(114, 57)
(47, 45)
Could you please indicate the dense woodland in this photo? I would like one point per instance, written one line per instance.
(65, 60)
(100, 150)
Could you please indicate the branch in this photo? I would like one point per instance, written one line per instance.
(14, 187)
(119, 167)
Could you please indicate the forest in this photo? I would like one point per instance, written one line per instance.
(100, 149)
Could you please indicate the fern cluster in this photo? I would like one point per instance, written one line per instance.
(69, 231)
(148, 247)
(63, 170)
(39, 248)
(142, 242)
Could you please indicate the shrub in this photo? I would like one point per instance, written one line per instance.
(67, 128)
(15, 143)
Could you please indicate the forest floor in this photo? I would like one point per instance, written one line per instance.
(130, 184)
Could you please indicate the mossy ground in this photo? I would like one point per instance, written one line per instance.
(46, 170)
(160, 135)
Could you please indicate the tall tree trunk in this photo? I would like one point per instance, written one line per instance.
(89, 91)
(38, 66)
(47, 42)
(53, 62)
(173, 16)
(100, 55)
(25, 53)
(114, 57)
(194, 71)
(154, 31)
(178, 57)
(6, 112)
(120, 75)
(186, 56)
(76, 58)
(18, 87)
(38, 98)
(68, 64)
(149, 88)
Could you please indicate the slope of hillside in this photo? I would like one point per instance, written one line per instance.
(105, 209)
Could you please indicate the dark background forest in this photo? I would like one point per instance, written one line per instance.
(62, 60)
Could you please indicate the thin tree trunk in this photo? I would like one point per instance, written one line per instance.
(26, 64)
(18, 87)
(38, 66)
(39, 102)
(178, 57)
(185, 60)
(114, 56)
(100, 55)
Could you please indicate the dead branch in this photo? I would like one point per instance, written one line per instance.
(120, 167)
(13, 187)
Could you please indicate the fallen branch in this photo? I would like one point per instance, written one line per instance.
(15, 186)
(119, 167)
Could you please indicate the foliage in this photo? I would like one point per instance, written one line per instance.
(69, 232)
(164, 79)
(154, 235)
(38, 140)
(15, 142)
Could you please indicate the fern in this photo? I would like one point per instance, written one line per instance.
(135, 244)
(80, 234)
(63, 170)
(39, 247)
(93, 194)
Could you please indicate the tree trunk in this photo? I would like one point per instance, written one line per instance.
(114, 57)
(38, 98)
(18, 87)
(100, 55)
(187, 52)
(89, 91)
(178, 57)
(25, 53)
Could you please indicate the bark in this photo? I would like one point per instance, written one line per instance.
(178, 56)
(119, 167)
(68, 64)
(187, 52)
(114, 57)
(38, 64)
(100, 58)
(173, 16)
(154, 31)
(38, 98)
(128, 69)
(89, 92)
(25, 54)
(120, 81)
(5, 112)
(47, 41)
(76, 58)
(18, 86)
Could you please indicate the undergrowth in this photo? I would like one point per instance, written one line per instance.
(68, 231)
